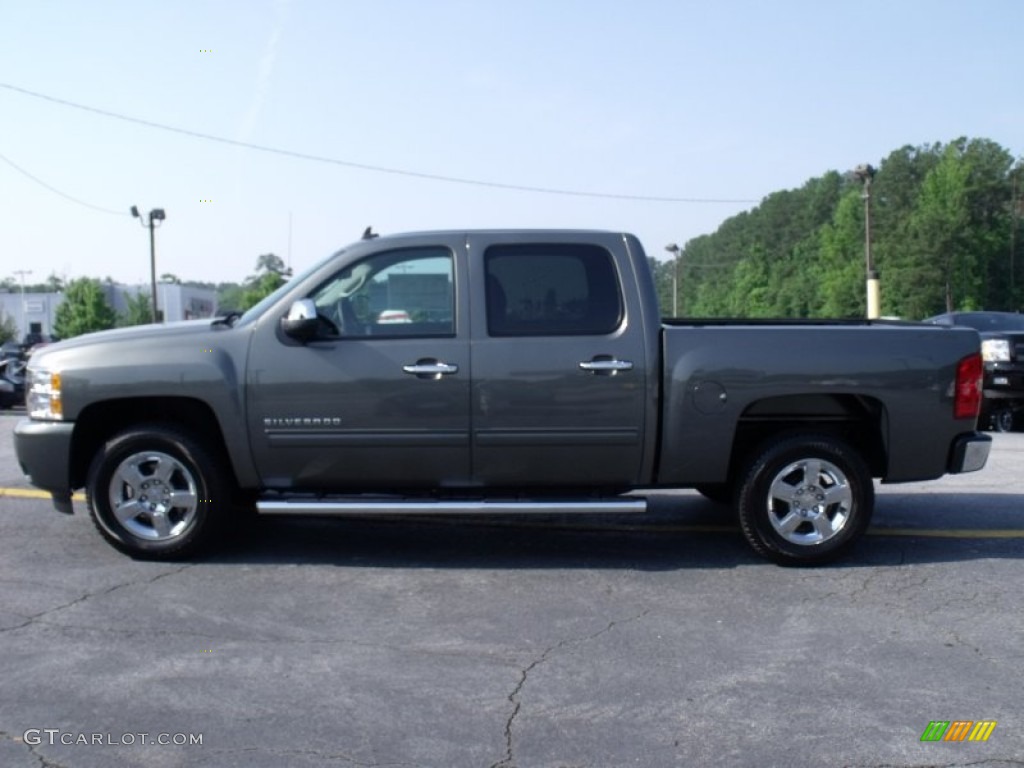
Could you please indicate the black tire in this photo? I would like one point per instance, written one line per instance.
(156, 493)
(720, 493)
(1002, 420)
(795, 513)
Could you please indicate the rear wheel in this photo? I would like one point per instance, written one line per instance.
(805, 499)
(1002, 420)
(155, 492)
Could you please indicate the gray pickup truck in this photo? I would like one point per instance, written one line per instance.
(494, 371)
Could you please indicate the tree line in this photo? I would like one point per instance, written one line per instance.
(945, 235)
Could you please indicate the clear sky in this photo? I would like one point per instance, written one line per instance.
(687, 100)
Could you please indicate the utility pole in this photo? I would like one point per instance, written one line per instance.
(1014, 215)
(865, 173)
(676, 253)
(155, 215)
(21, 275)
(24, 309)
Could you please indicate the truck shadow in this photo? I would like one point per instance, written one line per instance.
(679, 532)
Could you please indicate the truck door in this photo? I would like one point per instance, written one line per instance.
(559, 368)
(380, 399)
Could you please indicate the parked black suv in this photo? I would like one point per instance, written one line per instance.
(12, 375)
(1002, 348)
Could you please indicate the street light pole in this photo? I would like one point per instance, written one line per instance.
(21, 275)
(155, 215)
(674, 250)
(865, 173)
(24, 310)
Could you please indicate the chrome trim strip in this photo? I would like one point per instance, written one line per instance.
(401, 507)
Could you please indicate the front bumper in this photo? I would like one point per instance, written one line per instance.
(43, 449)
(970, 452)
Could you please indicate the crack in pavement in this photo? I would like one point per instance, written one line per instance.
(44, 762)
(37, 617)
(898, 588)
(507, 761)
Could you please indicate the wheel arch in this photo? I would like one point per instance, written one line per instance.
(99, 422)
(857, 420)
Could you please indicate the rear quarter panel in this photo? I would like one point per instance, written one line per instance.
(714, 374)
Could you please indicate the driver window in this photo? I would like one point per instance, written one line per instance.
(400, 293)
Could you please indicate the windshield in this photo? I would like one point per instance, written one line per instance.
(990, 321)
(258, 309)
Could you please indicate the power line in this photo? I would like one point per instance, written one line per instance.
(367, 167)
(56, 191)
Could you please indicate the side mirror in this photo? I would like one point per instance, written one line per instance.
(301, 322)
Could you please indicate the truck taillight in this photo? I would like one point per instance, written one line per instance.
(968, 387)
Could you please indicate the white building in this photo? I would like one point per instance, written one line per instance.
(175, 302)
(31, 312)
(35, 312)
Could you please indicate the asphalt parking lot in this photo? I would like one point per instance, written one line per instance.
(558, 643)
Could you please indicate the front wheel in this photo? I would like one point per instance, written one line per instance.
(805, 499)
(155, 492)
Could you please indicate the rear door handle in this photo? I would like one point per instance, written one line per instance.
(430, 369)
(607, 366)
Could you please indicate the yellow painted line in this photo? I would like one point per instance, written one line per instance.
(31, 493)
(951, 533)
(940, 533)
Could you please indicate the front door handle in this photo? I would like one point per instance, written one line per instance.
(430, 369)
(608, 366)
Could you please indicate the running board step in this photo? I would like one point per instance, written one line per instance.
(422, 507)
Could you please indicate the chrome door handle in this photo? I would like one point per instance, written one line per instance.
(606, 366)
(430, 369)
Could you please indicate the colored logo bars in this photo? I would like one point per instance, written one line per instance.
(958, 730)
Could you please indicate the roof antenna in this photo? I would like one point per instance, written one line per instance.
(369, 234)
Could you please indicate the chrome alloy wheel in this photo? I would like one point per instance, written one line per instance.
(153, 495)
(809, 501)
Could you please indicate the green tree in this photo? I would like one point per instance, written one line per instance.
(138, 310)
(84, 309)
(8, 329)
(269, 262)
(54, 283)
(944, 224)
(662, 272)
(258, 289)
(841, 271)
(229, 297)
(271, 274)
(939, 228)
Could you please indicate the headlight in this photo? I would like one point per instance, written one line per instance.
(995, 350)
(43, 399)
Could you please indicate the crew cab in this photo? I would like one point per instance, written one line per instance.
(530, 372)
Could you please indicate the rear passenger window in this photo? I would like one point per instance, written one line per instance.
(551, 290)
